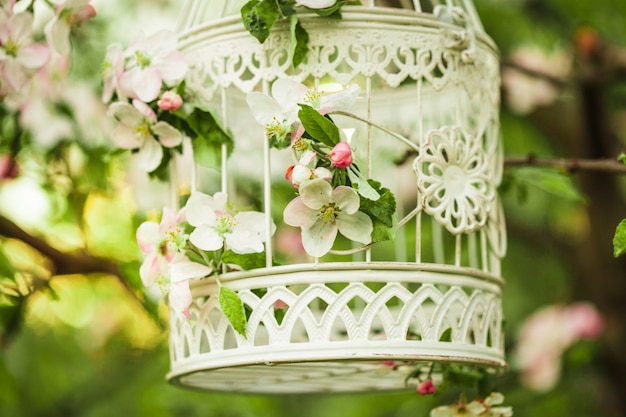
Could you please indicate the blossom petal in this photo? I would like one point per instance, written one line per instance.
(206, 238)
(319, 238)
(150, 155)
(148, 236)
(58, 35)
(168, 220)
(147, 84)
(167, 134)
(125, 113)
(243, 241)
(298, 214)
(200, 209)
(288, 93)
(254, 222)
(21, 26)
(33, 56)
(357, 226)
(180, 297)
(145, 110)
(150, 269)
(341, 100)
(316, 194)
(184, 270)
(126, 137)
(316, 4)
(346, 199)
(172, 66)
(264, 108)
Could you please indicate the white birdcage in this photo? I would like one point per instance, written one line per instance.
(427, 72)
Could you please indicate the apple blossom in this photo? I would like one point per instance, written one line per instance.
(152, 61)
(112, 70)
(67, 14)
(160, 242)
(19, 55)
(137, 129)
(181, 271)
(477, 408)
(341, 155)
(304, 170)
(170, 101)
(216, 228)
(321, 212)
(426, 387)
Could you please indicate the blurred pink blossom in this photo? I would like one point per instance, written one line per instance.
(8, 167)
(170, 101)
(426, 387)
(341, 155)
(150, 62)
(525, 92)
(546, 335)
(68, 14)
(20, 56)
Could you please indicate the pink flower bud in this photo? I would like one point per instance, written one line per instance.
(280, 304)
(84, 14)
(170, 101)
(426, 388)
(8, 167)
(341, 155)
(585, 320)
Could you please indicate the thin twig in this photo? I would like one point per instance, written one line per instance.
(571, 165)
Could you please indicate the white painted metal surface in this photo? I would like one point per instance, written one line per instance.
(432, 78)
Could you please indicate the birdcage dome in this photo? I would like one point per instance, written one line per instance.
(426, 126)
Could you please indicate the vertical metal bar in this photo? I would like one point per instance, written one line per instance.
(483, 250)
(368, 92)
(457, 250)
(267, 194)
(438, 249)
(472, 250)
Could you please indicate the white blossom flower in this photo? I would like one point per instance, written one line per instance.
(321, 212)
(477, 408)
(279, 113)
(151, 61)
(67, 14)
(305, 170)
(138, 128)
(20, 57)
(216, 228)
(165, 263)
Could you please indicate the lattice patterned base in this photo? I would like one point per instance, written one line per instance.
(336, 323)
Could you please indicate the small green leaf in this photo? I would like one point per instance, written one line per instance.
(446, 336)
(299, 41)
(619, 240)
(622, 157)
(207, 137)
(246, 261)
(550, 181)
(382, 212)
(233, 309)
(360, 184)
(318, 127)
(259, 17)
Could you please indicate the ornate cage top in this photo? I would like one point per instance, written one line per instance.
(425, 287)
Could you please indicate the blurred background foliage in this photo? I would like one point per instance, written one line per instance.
(91, 342)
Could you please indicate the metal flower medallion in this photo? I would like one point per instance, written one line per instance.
(455, 180)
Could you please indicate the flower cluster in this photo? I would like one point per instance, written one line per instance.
(334, 197)
(547, 334)
(200, 240)
(153, 104)
(478, 408)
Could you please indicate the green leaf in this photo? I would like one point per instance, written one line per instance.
(299, 41)
(259, 17)
(318, 127)
(550, 181)
(382, 212)
(232, 307)
(207, 138)
(622, 157)
(619, 240)
(246, 261)
(446, 336)
(360, 184)
(6, 268)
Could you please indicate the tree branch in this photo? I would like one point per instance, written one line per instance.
(571, 165)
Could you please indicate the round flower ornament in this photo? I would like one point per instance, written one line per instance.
(455, 180)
